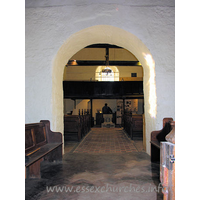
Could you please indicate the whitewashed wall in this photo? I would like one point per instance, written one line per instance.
(49, 24)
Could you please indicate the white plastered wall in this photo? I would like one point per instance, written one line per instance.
(56, 30)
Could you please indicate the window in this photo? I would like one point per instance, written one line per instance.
(133, 74)
(110, 73)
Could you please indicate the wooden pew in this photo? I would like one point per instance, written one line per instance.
(76, 127)
(136, 126)
(40, 144)
(87, 124)
(133, 125)
(155, 144)
(72, 128)
(167, 165)
(127, 123)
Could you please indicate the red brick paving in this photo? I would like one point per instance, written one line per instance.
(106, 140)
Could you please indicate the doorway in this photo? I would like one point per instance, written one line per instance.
(108, 64)
(111, 35)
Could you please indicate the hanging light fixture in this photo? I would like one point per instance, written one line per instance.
(107, 72)
(107, 69)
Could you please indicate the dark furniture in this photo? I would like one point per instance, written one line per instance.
(133, 125)
(99, 119)
(40, 144)
(127, 123)
(85, 124)
(136, 126)
(76, 127)
(155, 143)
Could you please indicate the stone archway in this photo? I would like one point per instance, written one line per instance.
(111, 35)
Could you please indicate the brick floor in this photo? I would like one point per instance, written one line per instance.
(106, 140)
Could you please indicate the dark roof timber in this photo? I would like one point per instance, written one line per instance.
(102, 62)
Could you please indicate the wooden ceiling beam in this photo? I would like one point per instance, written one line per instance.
(102, 63)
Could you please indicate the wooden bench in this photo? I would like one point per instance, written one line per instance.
(127, 123)
(72, 128)
(40, 144)
(136, 126)
(167, 165)
(155, 144)
(133, 125)
(85, 124)
(76, 127)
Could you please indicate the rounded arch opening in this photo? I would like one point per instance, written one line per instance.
(111, 35)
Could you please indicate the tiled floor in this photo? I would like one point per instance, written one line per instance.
(69, 146)
(106, 165)
(108, 140)
(83, 176)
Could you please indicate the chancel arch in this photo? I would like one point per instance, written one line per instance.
(110, 35)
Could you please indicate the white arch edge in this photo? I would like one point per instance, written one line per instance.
(101, 34)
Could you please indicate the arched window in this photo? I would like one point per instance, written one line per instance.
(104, 73)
